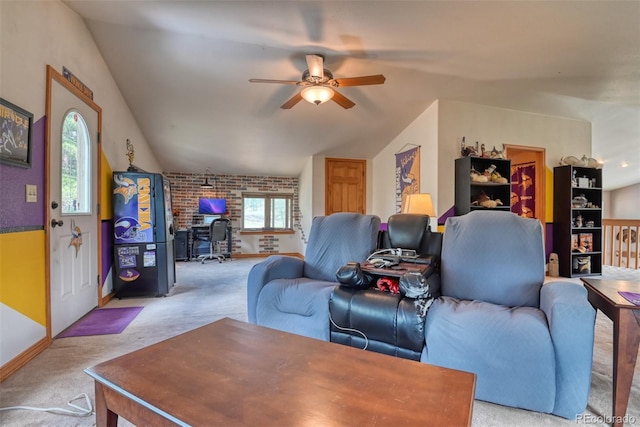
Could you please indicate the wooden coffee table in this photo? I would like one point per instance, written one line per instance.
(231, 373)
(603, 295)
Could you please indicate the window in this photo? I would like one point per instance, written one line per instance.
(267, 211)
(74, 167)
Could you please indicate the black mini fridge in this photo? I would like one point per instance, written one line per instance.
(144, 257)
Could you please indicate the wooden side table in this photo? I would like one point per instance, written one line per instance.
(604, 296)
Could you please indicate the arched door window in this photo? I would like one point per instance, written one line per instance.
(74, 165)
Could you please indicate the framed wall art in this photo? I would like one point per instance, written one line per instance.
(15, 142)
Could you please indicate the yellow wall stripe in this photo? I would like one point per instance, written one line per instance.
(106, 208)
(549, 195)
(22, 273)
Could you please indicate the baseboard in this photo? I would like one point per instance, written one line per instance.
(23, 358)
(105, 299)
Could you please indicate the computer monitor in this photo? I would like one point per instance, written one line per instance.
(208, 219)
(209, 206)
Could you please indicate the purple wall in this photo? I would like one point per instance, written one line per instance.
(548, 240)
(16, 212)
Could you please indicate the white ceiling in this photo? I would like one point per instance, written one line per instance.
(183, 68)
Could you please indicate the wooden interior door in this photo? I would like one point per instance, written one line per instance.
(345, 184)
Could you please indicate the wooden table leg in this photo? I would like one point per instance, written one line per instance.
(626, 338)
(104, 416)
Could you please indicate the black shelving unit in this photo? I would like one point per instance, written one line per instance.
(182, 245)
(577, 220)
(468, 192)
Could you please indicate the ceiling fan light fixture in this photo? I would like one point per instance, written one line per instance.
(317, 94)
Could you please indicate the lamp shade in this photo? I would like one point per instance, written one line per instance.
(317, 94)
(205, 184)
(418, 203)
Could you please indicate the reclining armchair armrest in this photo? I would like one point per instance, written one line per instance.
(567, 308)
(571, 322)
(274, 267)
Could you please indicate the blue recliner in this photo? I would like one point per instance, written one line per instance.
(529, 344)
(292, 295)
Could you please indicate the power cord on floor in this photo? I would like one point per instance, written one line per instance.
(81, 412)
(366, 340)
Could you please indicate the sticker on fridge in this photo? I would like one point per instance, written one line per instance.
(149, 259)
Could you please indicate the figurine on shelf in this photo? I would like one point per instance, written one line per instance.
(584, 161)
(570, 160)
(130, 154)
(489, 175)
(467, 151)
(495, 154)
(590, 162)
(496, 177)
(579, 202)
(486, 202)
(478, 177)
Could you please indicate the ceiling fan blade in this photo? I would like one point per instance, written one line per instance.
(291, 102)
(378, 79)
(284, 82)
(315, 64)
(342, 100)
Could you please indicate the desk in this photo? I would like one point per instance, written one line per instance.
(232, 373)
(603, 295)
(200, 247)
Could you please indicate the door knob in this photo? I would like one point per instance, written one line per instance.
(58, 223)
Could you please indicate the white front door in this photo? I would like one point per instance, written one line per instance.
(73, 199)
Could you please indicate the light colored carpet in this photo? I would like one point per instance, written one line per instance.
(205, 293)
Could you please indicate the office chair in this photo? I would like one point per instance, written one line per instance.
(217, 234)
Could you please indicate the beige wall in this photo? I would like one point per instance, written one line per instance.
(496, 126)
(622, 203)
(37, 33)
(439, 131)
(423, 131)
(306, 203)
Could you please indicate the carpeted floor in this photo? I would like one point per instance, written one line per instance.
(208, 292)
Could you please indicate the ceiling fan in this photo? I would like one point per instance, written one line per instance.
(320, 86)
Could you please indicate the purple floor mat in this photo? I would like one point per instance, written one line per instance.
(103, 321)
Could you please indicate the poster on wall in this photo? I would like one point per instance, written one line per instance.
(15, 145)
(523, 189)
(407, 174)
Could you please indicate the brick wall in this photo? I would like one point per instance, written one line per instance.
(186, 191)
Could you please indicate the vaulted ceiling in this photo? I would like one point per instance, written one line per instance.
(183, 68)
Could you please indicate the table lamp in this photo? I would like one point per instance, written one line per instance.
(418, 203)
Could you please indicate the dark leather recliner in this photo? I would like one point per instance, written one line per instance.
(383, 322)
(411, 231)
